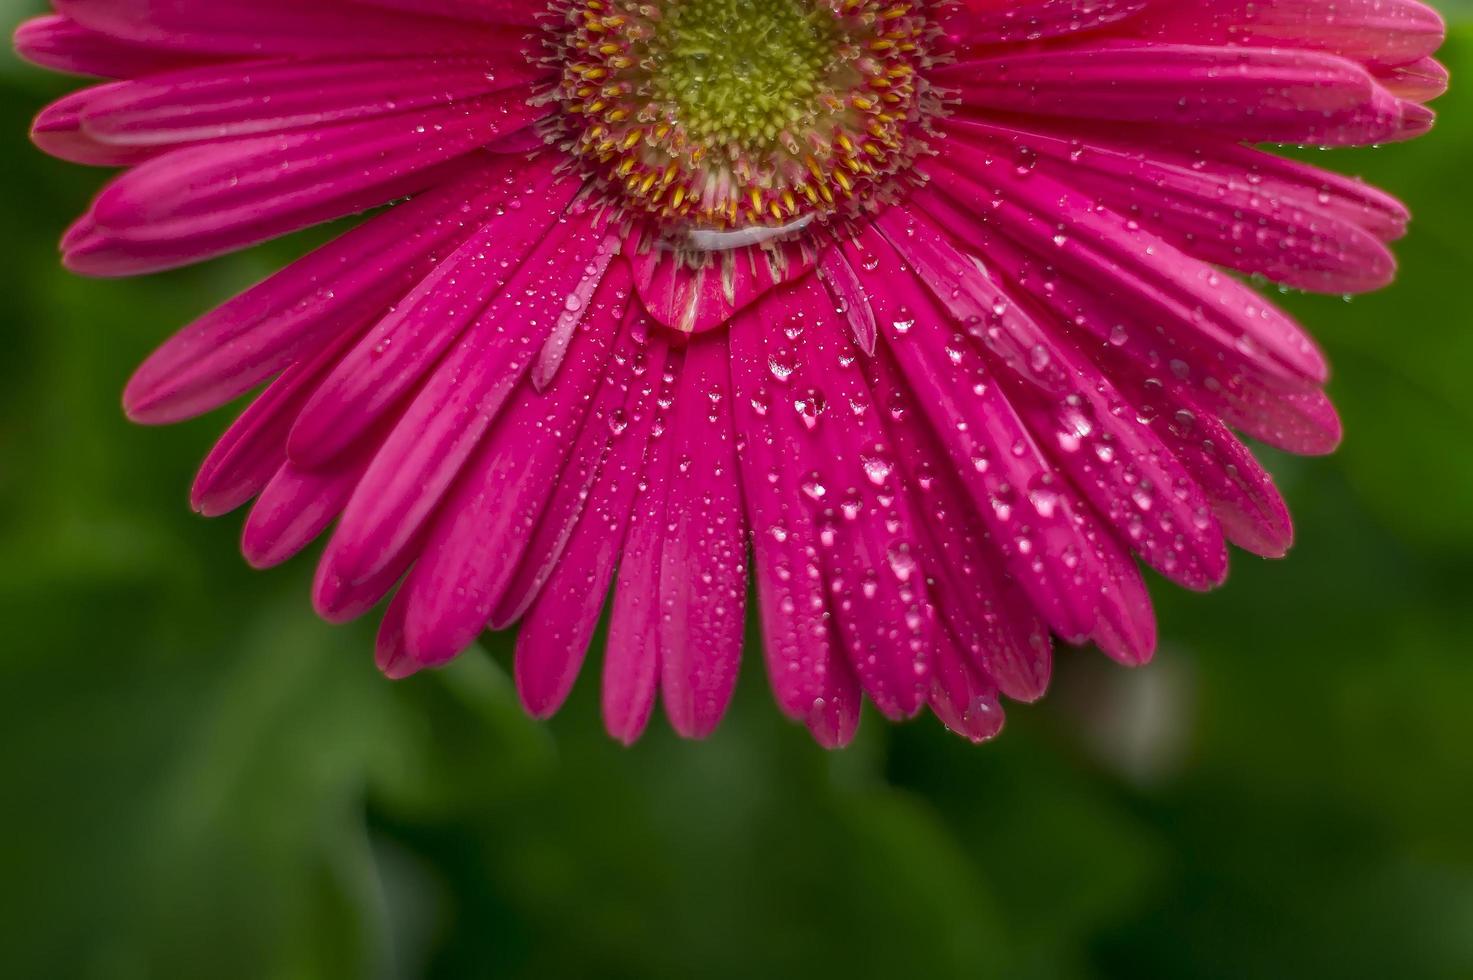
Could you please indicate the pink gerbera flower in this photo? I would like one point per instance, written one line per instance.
(932, 313)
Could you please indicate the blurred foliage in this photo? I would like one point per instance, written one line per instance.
(200, 779)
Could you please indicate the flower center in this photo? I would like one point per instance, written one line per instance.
(731, 121)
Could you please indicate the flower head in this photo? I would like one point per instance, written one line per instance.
(932, 313)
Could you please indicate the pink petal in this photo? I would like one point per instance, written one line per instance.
(985, 22)
(339, 288)
(703, 563)
(472, 550)
(560, 622)
(1392, 32)
(1093, 433)
(61, 44)
(809, 676)
(1070, 568)
(632, 656)
(298, 505)
(447, 420)
(819, 412)
(203, 200)
(322, 28)
(1269, 95)
(396, 354)
(693, 300)
(254, 447)
(1234, 218)
(988, 617)
(228, 101)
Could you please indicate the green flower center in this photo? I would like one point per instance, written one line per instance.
(743, 70)
(722, 120)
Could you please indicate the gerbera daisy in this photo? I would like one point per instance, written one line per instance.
(935, 315)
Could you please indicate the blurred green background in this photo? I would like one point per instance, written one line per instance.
(199, 779)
